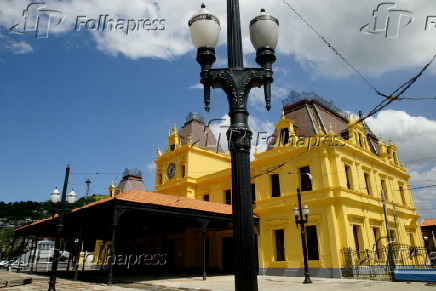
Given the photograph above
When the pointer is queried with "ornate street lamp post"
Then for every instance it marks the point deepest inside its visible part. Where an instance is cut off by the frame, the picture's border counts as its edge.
(55, 195)
(237, 81)
(391, 255)
(301, 215)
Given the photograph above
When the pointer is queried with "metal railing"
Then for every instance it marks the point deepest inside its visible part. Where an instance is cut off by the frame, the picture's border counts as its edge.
(375, 263)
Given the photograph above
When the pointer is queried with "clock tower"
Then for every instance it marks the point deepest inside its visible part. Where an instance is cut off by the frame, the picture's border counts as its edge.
(192, 152)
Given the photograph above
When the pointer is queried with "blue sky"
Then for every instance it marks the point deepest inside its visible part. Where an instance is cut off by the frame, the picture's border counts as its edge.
(103, 101)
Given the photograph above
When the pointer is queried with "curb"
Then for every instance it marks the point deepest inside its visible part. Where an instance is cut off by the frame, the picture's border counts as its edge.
(173, 288)
(15, 282)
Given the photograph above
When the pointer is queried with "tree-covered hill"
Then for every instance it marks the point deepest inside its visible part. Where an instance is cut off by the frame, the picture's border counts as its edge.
(35, 210)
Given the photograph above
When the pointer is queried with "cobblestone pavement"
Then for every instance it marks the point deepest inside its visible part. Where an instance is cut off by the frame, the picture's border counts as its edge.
(216, 283)
(66, 285)
(276, 283)
(40, 283)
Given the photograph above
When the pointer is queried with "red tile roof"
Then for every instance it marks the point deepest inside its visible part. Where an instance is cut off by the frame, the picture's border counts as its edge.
(159, 199)
(428, 222)
(145, 197)
(36, 222)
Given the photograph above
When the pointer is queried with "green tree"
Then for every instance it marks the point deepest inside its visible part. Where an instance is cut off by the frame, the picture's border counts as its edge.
(6, 237)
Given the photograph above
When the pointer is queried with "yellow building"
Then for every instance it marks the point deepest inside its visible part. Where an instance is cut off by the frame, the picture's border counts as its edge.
(340, 166)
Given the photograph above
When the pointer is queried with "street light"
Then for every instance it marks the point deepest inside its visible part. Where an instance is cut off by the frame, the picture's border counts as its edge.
(301, 216)
(237, 81)
(55, 195)
(390, 254)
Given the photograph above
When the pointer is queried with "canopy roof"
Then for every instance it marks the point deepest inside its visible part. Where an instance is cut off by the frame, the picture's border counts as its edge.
(148, 210)
(428, 222)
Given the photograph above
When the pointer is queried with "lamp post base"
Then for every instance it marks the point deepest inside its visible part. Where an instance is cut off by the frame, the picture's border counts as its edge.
(307, 279)
(51, 286)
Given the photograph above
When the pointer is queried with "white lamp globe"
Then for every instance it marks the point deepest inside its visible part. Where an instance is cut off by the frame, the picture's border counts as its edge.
(296, 211)
(71, 198)
(305, 210)
(204, 28)
(55, 195)
(264, 31)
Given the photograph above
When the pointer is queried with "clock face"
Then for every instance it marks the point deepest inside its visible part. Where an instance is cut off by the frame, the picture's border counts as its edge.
(171, 171)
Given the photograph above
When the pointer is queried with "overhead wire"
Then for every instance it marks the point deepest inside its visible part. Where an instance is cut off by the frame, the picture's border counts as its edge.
(96, 173)
(419, 98)
(333, 48)
(372, 189)
(421, 187)
(388, 98)
(401, 90)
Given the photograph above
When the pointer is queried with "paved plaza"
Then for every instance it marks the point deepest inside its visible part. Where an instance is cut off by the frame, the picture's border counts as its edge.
(215, 283)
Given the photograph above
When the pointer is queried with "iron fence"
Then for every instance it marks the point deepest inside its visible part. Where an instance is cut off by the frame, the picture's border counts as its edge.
(375, 263)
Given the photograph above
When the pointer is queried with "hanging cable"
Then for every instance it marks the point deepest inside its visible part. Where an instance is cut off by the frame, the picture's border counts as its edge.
(334, 49)
(422, 98)
(389, 98)
(422, 187)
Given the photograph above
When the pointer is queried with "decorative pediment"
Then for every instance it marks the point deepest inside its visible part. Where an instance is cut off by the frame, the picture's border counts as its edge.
(375, 222)
(173, 139)
(277, 224)
(411, 225)
(285, 131)
(356, 219)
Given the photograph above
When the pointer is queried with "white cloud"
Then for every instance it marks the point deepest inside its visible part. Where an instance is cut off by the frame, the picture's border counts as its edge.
(337, 20)
(424, 202)
(422, 179)
(257, 96)
(261, 131)
(340, 23)
(415, 136)
(21, 47)
(151, 167)
(219, 129)
(423, 192)
(197, 86)
(7, 44)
